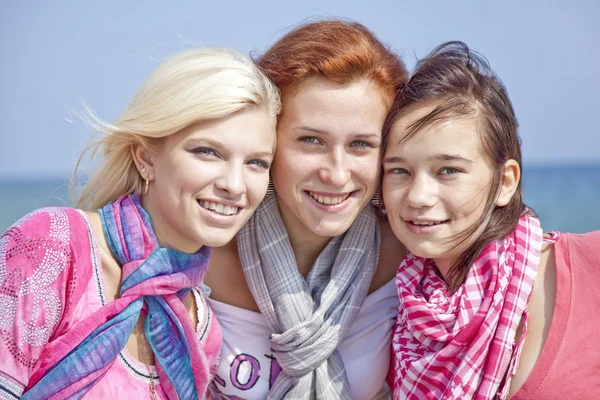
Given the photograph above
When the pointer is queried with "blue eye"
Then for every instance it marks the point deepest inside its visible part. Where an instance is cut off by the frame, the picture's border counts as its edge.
(205, 151)
(449, 171)
(397, 171)
(361, 144)
(310, 140)
(260, 163)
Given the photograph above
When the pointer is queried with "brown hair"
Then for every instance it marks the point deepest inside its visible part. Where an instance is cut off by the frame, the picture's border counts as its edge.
(460, 83)
(337, 50)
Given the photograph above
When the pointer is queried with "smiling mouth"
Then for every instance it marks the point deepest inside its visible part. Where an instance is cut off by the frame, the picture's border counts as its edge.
(329, 200)
(218, 208)
(426, 223)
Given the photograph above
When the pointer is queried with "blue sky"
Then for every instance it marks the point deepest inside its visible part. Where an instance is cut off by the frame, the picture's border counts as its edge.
(54, 54)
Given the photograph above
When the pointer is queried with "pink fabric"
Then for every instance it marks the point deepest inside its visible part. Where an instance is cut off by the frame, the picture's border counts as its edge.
(50, 279)
(459, 345)
(569, 364)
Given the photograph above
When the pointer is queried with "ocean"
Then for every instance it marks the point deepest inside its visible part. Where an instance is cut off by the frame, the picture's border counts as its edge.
(566, 198)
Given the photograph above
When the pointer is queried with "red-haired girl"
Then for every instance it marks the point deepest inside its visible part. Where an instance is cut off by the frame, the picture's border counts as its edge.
(305, 300)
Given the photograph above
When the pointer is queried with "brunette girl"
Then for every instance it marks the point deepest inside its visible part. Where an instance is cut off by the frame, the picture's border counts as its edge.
(490, 307)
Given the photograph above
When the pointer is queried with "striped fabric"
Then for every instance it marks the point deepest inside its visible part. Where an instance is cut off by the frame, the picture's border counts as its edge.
(460, 345)
(10, 388)
(309, 317)
(155, 279)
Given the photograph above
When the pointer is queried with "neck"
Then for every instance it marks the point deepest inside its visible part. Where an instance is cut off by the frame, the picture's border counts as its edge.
(444, 265)
(306, 245)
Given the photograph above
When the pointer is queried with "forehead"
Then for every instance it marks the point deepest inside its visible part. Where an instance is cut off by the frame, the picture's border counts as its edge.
(252, 128)
(451, 132)
(332, 105)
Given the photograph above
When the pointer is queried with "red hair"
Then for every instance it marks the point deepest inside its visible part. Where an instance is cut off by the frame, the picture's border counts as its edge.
(336, 50)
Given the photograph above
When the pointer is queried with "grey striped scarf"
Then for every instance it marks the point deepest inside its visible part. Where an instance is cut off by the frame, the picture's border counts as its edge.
(309, 317)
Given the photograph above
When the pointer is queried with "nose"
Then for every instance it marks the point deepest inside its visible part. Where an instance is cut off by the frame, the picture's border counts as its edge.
(232, 181)
(422, 192)
(336, 170)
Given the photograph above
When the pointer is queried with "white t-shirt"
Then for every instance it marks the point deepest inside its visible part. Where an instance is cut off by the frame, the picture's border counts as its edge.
(248, 368)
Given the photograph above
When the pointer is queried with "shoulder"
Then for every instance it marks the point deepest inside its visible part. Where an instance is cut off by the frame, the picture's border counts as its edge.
(48, 219)
(50, 226)
(581, 248)
(587, 241)
(573, 252)
(391, 254)
(42, 273)
(50, 246)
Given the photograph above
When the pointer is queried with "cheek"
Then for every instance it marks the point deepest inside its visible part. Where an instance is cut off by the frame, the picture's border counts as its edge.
(257, 186)
(282, 166)
(194, 177)
(391, 197)
(180, 169)
(292, 167)
(368, 168)
(470, 202)
(280, 180)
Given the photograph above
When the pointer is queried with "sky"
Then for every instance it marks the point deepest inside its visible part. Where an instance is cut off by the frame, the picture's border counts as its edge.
(55, 55)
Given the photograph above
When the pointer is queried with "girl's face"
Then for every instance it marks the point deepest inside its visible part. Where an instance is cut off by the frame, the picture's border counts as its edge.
(435, 184)
(208, 179)
(326, 165)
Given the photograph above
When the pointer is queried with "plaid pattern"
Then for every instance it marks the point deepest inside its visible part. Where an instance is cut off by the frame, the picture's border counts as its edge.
(309, 317)
(460, 345)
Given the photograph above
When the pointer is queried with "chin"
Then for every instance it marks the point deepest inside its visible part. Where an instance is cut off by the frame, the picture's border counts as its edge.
(216, 239)
(424, 254)
(332, 229)
(421, 251)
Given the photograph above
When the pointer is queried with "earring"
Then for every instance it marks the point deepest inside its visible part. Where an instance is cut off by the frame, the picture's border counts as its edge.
(143, 168)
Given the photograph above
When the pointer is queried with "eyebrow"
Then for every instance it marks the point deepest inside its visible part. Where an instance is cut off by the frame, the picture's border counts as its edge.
(200, 141)
(449, 157)
(371, 136)
(435, 157)
(308, 128)
(263, 154)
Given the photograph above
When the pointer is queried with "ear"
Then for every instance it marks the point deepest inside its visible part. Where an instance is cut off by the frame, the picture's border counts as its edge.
(511, 174)
(143, 161)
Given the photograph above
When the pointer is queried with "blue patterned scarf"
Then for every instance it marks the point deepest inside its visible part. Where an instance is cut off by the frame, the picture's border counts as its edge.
(154, 280)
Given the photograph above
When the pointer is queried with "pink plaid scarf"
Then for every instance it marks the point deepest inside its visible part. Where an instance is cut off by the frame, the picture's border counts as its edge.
(460, 345)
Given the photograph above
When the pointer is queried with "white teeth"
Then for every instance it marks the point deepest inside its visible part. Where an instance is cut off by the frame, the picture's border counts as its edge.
(426, 223)
(218, 208)
(328, 200)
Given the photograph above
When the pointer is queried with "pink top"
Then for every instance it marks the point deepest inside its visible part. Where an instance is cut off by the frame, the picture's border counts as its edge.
(569, 364)
(50, 279)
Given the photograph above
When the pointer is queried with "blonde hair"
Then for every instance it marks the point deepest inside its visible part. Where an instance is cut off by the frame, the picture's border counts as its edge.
(189, 87)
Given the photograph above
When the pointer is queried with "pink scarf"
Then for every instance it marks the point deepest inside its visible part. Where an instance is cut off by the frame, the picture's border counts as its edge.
(460, 345)
(155, 280)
